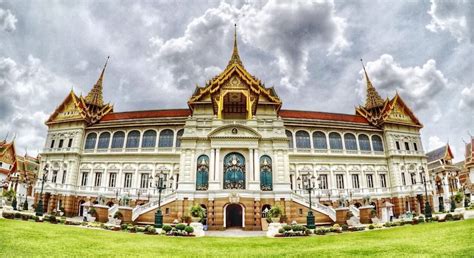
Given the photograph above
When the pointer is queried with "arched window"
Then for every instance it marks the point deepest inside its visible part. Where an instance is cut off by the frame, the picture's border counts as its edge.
(266, 182)
(335, 141)
(202, 173)
(133, 138)
(117, 140)
(166, 138)
(350, 141)
(302, 140)
(364, 142)
(377, 143)
(289, 135)
(149, 139)
(179, 134)
(319, 141)
(90, 141)
(234, 171)
(104, 140)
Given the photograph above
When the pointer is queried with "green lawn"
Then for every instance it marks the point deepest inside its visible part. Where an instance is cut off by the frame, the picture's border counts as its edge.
(23, 238)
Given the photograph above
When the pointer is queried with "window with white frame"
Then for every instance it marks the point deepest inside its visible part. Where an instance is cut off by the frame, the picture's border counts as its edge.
(69, 144)
(54, 177)
(324, 181)
(404, 182)
(413, 178)
(112, 179)
(383, 181)
(415, 147)
(127, 183)
(98, 179)
(340, 181)
(84, 178)
(355, 181)
(52, 144)
(144, 180)
(370, 181)
(63, 180)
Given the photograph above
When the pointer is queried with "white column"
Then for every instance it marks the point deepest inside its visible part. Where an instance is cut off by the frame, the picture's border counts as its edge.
(256, 166)
(217, 166)
(251, 165)
(212, 173)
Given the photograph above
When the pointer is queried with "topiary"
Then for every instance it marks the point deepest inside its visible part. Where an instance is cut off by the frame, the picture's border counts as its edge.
(189, 229)
(166, 228)
(180, 226)
(371, 226)
(281, 231)
(287, 227)
(275, 212)
(344, 227)
(449, 217)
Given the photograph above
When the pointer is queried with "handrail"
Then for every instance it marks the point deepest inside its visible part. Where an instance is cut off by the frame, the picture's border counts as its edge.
(140, 209)
(317, 206)
(113, 210)
(355, 211)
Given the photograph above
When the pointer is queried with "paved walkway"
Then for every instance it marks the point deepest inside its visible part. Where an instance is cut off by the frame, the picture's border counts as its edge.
(235, 233)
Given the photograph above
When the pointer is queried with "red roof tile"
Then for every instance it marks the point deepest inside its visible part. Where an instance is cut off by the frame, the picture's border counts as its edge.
(322, 116)
(146, 114)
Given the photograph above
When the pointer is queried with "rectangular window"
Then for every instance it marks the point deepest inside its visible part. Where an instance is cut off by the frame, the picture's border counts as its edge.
(128, 180)
(383, 181)
(355, 181)
(61, 142)
(84, 179)
(370, 181)
(340, 181)
(55, 176)
(415, 147)
(167, 211)
(324, 181)
(144, 181)
(407, 146)
(63, 180)
(404, 182)
(69, 144)
(98, 178)
(421, 177)
(398, 145)
(112, 179)
(413, 178)
(52, 144)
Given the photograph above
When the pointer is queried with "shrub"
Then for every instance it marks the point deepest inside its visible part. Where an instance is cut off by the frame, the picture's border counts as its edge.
(186, 219)
(458, 197)
(197, 211)
(287, 227)
(321, 231)
(180, 226)
(93, 212)
(140, 229)
(151, 229)
(17, 215)
(283, 218)
(449, 217)
(8, 215)
(275, 212)
(336, 225)
(281, 231)
(25, 216)
(344, 227)
(371, 226)
(458, 217)
(132, 229)
(166, 228)
(53, 219)
(124, 226)
(373, 213)
(118, 215)
(10, 194)
(189, 229)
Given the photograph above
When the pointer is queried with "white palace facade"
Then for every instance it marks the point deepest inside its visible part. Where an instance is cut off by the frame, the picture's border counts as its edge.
(234, 151)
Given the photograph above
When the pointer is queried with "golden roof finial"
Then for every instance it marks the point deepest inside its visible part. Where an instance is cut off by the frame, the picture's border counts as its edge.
(235, 58)
(373, 98)
(95, 95)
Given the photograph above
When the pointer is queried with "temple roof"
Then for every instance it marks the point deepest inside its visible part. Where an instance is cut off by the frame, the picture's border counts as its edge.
(143, 114)
(373, 98)
(95, 95)
(299, 114)
(443, 152)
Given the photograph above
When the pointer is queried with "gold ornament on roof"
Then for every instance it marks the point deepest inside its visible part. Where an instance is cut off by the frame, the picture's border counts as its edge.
(95, 95)
(373, 98)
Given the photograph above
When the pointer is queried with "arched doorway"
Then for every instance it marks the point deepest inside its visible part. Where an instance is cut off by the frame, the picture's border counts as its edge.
(234, 216)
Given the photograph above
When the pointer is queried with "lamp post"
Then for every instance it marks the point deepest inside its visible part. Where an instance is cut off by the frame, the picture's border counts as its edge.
(39, 206)
(427, 203)
(160, 184)
(451, 188)
(309, 185)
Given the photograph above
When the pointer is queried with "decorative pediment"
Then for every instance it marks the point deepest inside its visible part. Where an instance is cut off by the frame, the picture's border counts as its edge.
(354, 169)
(86, 166)
(69, 110)
(145, 167)
(339, 168)
(306, 169)
(322, 169)
(112, 166)
(234, 131)
(369, 169)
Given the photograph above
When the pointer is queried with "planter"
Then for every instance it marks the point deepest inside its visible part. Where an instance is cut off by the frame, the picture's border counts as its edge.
(195, 219)
(275, 220)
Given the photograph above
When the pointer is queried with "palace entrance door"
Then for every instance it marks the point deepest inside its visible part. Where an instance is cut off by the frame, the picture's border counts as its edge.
(233, 215)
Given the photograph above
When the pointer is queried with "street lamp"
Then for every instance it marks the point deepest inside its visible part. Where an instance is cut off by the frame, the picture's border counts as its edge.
(451, 188)
(309, 185)
(160, 184)
(427, 203)
(39, 206)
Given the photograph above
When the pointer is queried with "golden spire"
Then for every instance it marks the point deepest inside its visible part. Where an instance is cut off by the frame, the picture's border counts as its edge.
(373, 98)
(95, 95)
(235, 58)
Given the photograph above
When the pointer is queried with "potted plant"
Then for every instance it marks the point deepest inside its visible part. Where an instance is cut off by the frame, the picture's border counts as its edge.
(274, 213)
(197, 213)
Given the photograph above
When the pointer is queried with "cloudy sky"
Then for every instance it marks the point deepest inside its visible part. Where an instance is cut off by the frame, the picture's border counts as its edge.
(309, 51)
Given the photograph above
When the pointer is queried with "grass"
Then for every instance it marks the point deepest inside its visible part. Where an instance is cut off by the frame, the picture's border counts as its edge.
(28, 239)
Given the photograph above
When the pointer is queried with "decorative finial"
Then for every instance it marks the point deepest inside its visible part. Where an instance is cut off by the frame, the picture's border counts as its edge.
(95, 95)
(373, 98)
(235, 58)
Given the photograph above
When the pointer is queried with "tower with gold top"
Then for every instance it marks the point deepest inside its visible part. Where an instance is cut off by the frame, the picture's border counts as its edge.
(235, 152)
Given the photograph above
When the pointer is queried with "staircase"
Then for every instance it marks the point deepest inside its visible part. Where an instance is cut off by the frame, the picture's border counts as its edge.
(141, 209)
(355, 211)
(329, 211)
(113, 210)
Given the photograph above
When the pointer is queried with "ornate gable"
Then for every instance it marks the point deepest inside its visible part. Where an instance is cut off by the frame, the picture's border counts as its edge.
(7, 153)
(69, 110)
(398, 112)
(234, 85)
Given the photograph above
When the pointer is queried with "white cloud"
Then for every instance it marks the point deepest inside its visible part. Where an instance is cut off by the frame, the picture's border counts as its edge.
(285, 31)
(457, 17)
(27, 91)
(467, 100)
(7, 20)
(416, 84)
(434, 142)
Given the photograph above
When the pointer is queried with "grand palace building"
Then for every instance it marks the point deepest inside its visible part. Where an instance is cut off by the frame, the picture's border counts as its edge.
(234, 151)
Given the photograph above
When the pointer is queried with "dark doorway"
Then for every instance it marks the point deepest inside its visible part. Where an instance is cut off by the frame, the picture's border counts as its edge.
(81, 208)
(233, 216)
